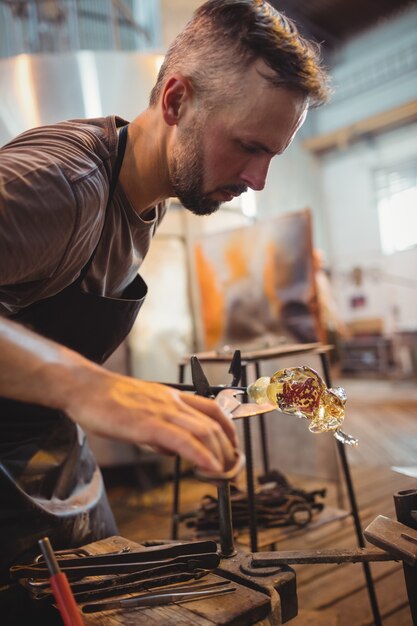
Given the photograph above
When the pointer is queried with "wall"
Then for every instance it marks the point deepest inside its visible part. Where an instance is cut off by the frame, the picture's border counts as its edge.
(46, 88)
(352, 217)
(294, 182)
(350, 209)
(173, 21)
(374, 72)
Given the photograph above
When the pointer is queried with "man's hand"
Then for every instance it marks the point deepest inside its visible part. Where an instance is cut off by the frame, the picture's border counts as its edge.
(34, 369)
(150, 413)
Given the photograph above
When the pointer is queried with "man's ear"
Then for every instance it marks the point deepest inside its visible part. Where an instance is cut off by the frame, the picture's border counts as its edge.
(175, 98)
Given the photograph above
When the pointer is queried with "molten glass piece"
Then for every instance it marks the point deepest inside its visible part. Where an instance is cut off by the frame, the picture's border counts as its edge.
(301, 391)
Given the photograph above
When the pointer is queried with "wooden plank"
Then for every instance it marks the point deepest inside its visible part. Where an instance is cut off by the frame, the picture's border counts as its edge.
(403, 114)
(328, 617)
(267, 536)
(354, 609)
(338, 583)
(401, 616)
(167, 615)
(259, 354)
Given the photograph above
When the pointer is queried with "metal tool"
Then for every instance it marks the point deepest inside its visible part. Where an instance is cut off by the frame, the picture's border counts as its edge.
(326, 555)
(150, 555)
(187, 563)
(395, 538)
(157, 599)
(97, 588)
(398, 543)
(66, 604)
(228, 400)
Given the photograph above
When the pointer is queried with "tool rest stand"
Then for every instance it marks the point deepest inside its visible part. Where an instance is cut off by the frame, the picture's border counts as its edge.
(255, 358)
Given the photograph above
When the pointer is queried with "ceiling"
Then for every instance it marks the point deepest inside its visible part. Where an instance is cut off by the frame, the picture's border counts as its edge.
(332, 22)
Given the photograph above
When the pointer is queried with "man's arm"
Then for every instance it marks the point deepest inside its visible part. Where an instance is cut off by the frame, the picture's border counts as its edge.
(36, 370)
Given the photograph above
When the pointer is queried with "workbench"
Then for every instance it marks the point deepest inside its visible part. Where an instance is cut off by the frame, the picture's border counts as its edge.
(266, 597)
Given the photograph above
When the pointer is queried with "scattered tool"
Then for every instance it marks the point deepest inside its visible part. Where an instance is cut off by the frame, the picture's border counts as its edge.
(398, 543)
(62, 591)
(228, 400)
(275, 506)
(160, 598)
(201, 555)
(188, 563)
(99, 587)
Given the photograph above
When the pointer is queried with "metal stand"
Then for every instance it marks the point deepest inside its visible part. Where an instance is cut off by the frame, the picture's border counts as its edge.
(227, 548)
(353, 504)
(177, 474)
(321, 351)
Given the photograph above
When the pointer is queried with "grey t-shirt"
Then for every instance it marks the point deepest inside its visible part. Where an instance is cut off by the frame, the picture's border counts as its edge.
(54, 185)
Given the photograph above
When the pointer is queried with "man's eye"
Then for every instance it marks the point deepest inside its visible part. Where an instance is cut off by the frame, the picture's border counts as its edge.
(250, 149)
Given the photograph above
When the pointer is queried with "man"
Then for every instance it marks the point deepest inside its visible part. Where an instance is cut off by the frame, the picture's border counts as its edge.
(80, 202)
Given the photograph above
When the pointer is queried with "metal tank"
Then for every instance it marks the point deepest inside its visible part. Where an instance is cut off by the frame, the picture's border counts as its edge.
(39, 89)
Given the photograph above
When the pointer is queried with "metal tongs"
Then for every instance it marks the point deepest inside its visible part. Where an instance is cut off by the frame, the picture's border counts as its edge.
(181, 594)
(233, 401)
(228, 400)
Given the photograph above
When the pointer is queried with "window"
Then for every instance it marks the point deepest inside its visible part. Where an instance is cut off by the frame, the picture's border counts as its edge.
(396, 192)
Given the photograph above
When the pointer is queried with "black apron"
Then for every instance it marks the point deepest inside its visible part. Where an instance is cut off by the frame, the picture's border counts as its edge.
(49, 481)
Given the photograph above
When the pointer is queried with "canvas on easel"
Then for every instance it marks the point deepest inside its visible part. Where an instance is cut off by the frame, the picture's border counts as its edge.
(256, 284)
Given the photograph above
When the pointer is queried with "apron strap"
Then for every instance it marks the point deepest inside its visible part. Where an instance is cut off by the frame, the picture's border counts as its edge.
(121, 148)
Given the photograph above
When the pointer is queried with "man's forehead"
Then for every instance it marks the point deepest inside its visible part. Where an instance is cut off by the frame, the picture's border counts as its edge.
(268, 123)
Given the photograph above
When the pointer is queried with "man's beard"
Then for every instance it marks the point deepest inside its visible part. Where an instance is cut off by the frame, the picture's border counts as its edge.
(187, 177)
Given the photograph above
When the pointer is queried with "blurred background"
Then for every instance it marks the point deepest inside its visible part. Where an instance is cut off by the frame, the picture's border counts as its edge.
(326, 252)
(351, 173)
(353, 165)
(352, 168)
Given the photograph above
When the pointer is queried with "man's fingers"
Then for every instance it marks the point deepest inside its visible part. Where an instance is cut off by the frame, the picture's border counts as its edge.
(206, 430)
(210, 408)
(177, 440)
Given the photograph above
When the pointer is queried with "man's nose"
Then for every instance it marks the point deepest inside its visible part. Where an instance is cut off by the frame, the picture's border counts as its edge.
(255, 173)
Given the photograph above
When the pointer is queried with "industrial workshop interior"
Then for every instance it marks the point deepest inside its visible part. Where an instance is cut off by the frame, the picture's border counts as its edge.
(291, 310)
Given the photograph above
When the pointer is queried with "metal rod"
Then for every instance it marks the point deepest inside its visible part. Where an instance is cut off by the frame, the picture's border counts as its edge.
(326, 555)
(405, 502)
(353, 504)
(227, 548)
(176, 497)
(177, 474)
(49, 556)
(253, 531)
(64, 597)
(214, 389)
(262, 429)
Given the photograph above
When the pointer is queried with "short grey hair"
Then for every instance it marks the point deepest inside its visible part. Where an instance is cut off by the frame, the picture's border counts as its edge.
(225, 37)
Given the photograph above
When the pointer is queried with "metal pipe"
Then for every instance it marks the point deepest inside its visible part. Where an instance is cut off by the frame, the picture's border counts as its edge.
(227, 548)
(353, 504)
(253, 530)
(177, 474)
(262, 429)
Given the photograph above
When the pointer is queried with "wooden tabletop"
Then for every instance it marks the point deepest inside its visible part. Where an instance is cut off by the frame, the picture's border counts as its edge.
(254, 601)
(260, 354)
